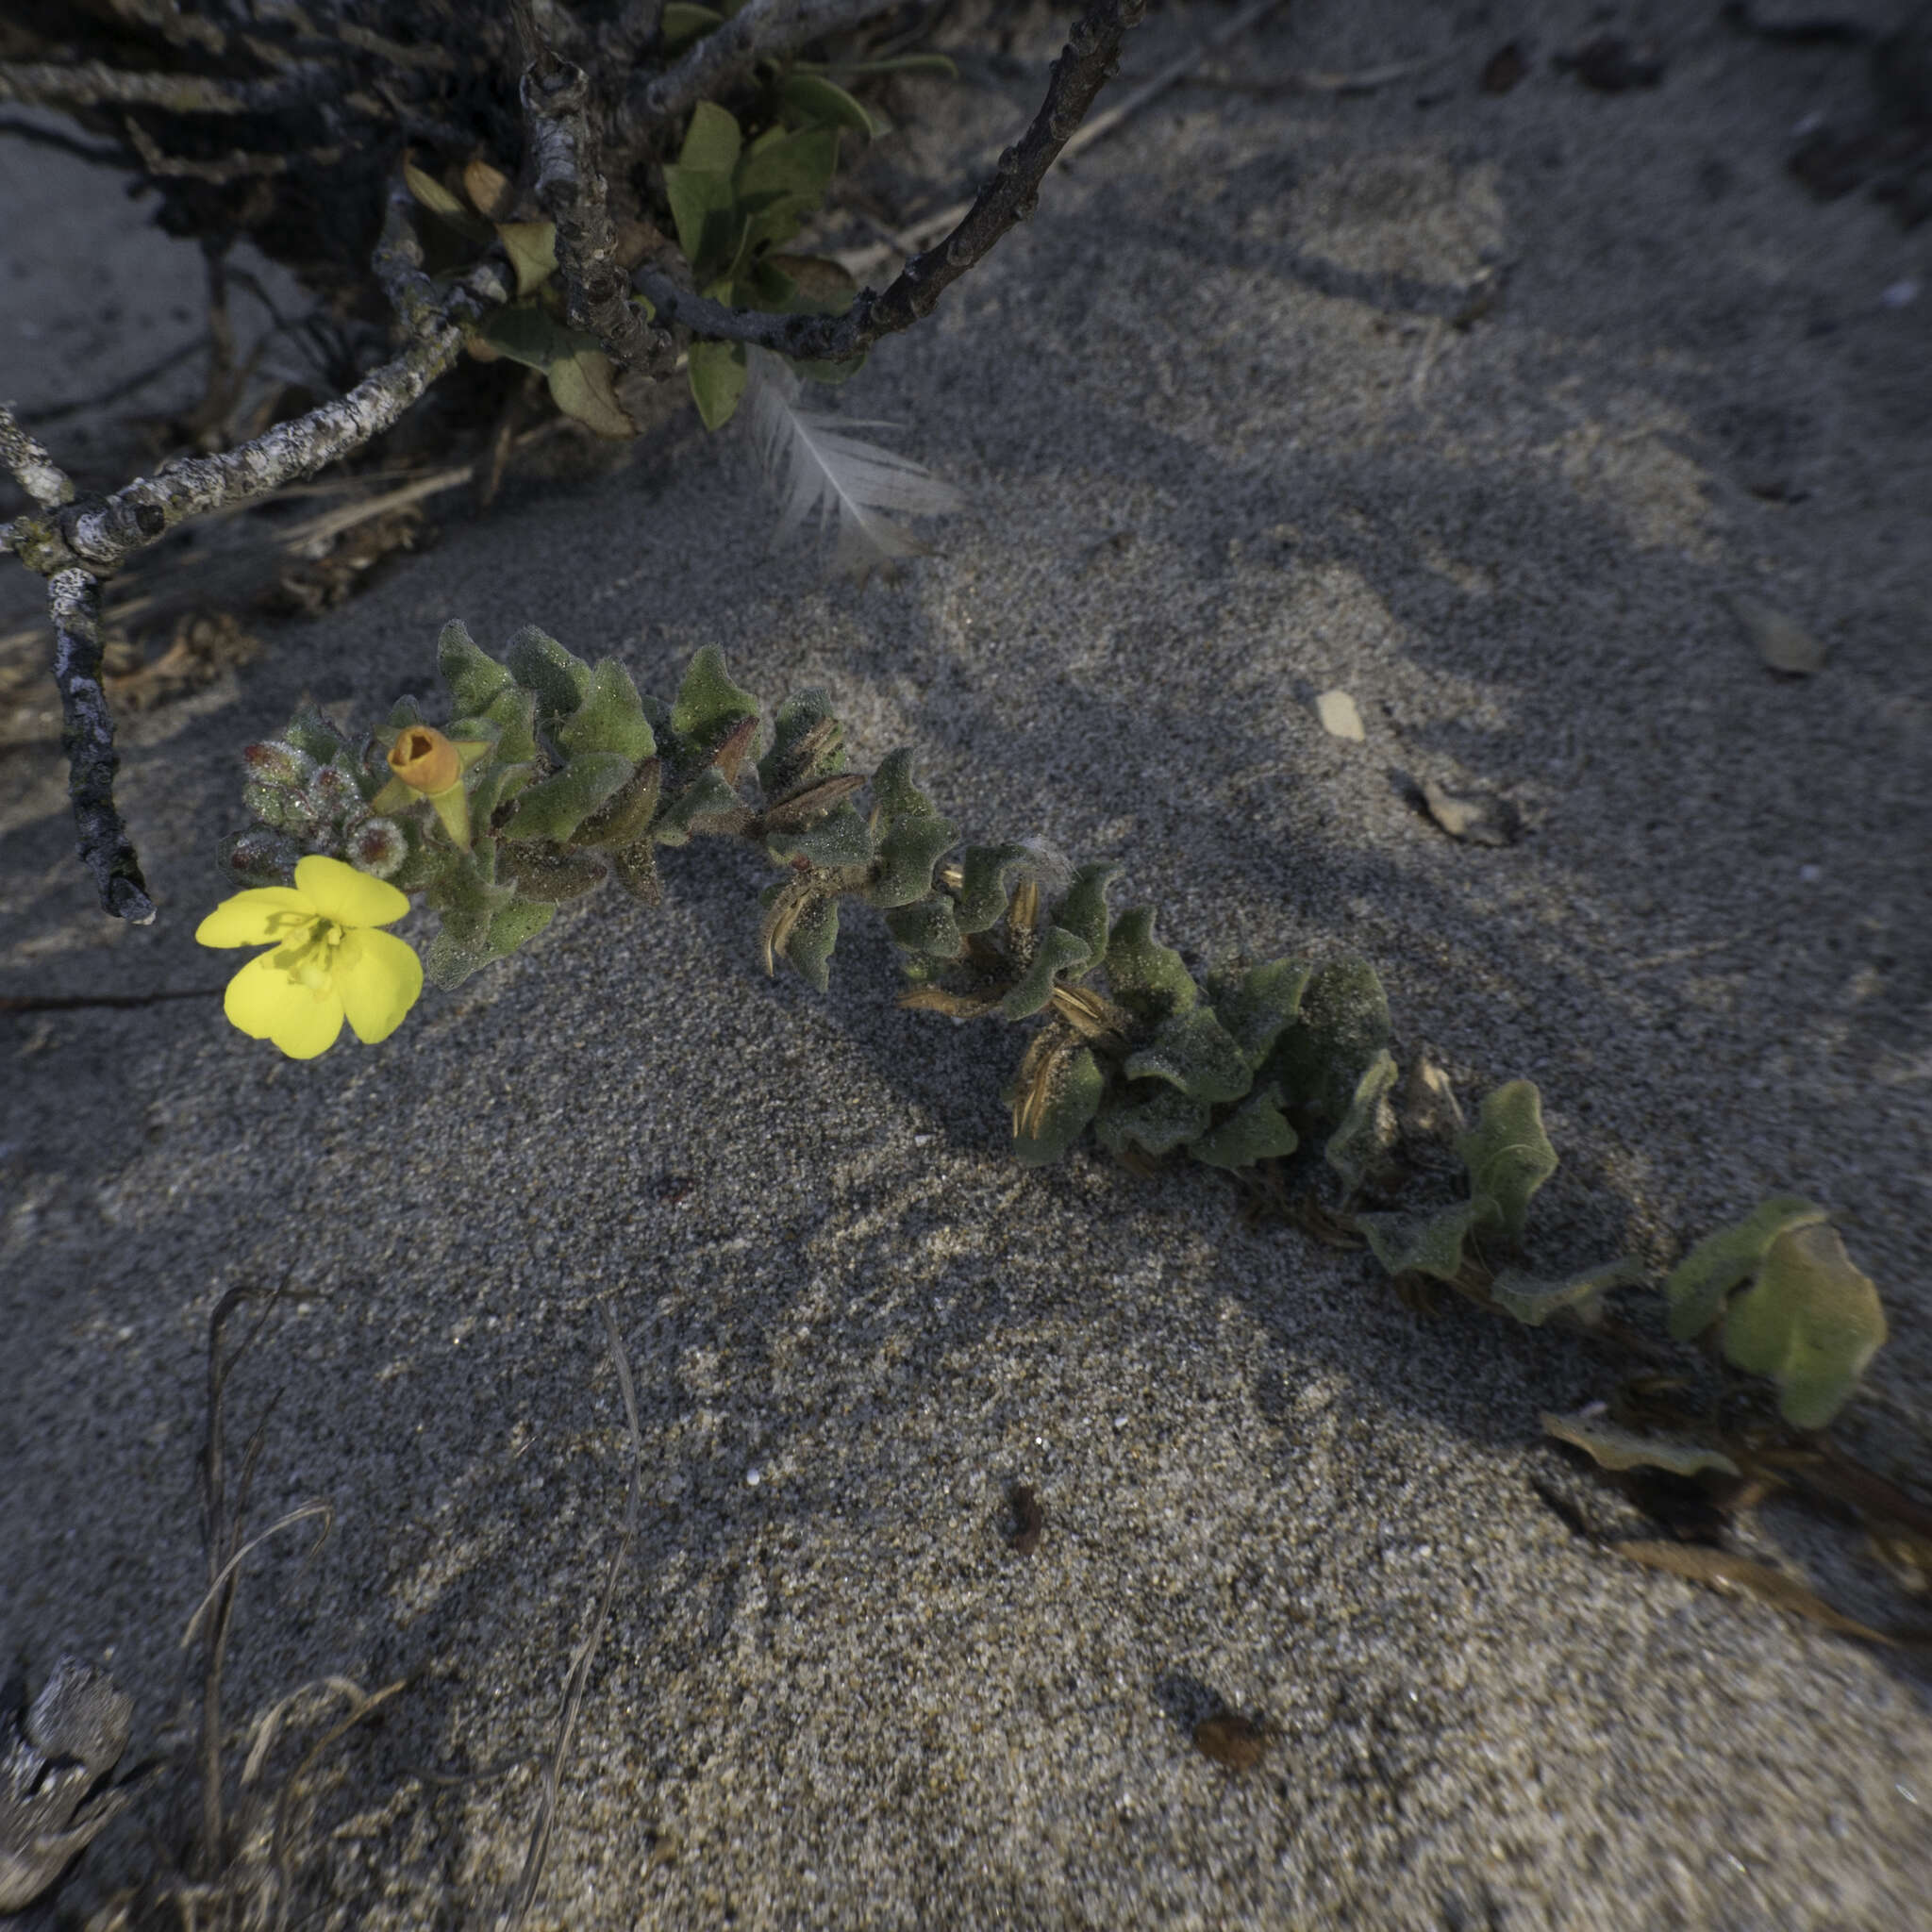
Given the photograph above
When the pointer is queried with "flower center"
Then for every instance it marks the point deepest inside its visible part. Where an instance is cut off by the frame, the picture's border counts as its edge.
(313, 962)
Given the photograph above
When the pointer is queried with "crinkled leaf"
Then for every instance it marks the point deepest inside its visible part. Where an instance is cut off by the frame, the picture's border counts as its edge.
(815, 934)
(532, 250)
(927, 926)
(548, 872)
(1155, 1120)
(1811, 1320)
(447, 207)
(908, 854)
(1191, 1050)
(1055, 952)
(492, 786)
(1509, 1156)
(488, 188)
(557, 807)
(717, 372)
(1256, 1130)
(1610, 1447)
(472, 676)
(838, 840)
(708, 704)
(1534, 1300)
(582, 387)
(894, 797)
(1430, 1243)
(560, 679)
(513, 713)
(1341, 1025)
(626, 816)
(1077, 1088)
(450, 960)
(1083, 911)
(1148, 978)
(709, 796)
(610, 717)
(1699, 1283)
(1368, 1129)
(1264, 1003)
(635, 868)
(988, 874)
(807, 745)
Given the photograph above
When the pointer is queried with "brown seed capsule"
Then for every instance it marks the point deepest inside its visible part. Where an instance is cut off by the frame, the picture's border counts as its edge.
(1230, 1740)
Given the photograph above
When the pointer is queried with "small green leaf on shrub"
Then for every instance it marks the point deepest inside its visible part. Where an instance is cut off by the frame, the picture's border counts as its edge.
(532, 250)
(812, 936)
(514, 712)
(838, 840)
(813, 97)
(1191, 1050)
(808, 744)
(1533, 1301)
(708, 704)
(451, 961)
(560, 679)
(611, 717)
(1256, 1130)
(1699, 1283)
(928, 927)
(712, 141)
(1056, 952)
(1368, 1129)
(547, 872)
(626, 816)
(1811, 1320)
(1610, 1447)
(717, 374)
(894, 797)
(581, 387)
(1151, 980)
(682, 22)
(707, 797)
(1421, 1243)
(1341, 1025)
(526, 332)
(705, 211)
(1509, 1156)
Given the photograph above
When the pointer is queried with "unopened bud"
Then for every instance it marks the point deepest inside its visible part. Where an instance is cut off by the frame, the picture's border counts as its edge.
(377, 847)
(426, 760)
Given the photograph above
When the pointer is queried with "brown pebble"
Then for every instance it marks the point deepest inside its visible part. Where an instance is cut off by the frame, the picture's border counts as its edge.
(1231, 1740)
(1029, 1519)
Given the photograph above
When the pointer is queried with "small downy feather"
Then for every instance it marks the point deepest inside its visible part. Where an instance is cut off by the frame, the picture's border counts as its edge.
(817, 466)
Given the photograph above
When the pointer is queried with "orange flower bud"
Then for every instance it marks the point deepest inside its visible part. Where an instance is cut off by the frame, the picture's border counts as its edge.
(426, 760)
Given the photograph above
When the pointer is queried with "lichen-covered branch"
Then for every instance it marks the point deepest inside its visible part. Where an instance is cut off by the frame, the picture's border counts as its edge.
(33, 469)
(570, 190)
(761, 31)
(1090, 59)
(94, 84)
(86, 736)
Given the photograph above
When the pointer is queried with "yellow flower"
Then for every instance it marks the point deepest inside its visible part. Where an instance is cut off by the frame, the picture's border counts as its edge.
(428, 765)
(327, 958)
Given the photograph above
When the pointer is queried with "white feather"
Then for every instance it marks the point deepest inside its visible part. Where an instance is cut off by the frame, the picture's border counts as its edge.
(817, 467)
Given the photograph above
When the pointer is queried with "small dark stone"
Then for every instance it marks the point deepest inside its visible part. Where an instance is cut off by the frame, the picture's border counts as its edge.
(1230, 1740)
(1029, 1519)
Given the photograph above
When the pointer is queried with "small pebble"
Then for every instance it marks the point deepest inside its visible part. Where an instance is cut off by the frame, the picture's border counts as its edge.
(1230, 1740)
(1338, 716)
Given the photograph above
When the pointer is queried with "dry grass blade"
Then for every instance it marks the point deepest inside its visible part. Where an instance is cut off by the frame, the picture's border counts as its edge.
(781, 920)
(955, 1005)
(580, 1670)
(1722, 1571)
(227, 1572)
(802, 808)
(1041, 1068)
(1091, 1015)
(1022, 908)
(279, 1847)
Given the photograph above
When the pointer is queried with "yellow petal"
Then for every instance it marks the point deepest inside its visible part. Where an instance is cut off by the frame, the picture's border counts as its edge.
(255, 918)
(379, 978)
(349, 897)
(266, 1004)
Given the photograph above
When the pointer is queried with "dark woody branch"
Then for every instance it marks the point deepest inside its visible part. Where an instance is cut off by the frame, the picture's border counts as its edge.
(94, 84)
(1090, 59)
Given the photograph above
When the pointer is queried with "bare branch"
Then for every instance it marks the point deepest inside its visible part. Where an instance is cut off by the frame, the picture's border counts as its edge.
(65, 144)
(570, 190)
(761, 31)
(34, 470)
(239, 166)
(1091, 57)
(88, 739)
(94, 84)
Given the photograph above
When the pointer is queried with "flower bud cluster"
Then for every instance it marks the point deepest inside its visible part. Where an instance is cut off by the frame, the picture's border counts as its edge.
(310, 790)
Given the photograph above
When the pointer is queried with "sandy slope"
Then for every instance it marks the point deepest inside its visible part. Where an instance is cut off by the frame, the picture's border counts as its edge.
(1226, 451)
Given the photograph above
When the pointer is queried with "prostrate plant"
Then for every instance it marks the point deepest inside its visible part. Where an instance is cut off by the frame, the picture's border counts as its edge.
(555, 776)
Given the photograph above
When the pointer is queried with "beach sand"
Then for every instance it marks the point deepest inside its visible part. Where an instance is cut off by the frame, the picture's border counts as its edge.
(1226, 448)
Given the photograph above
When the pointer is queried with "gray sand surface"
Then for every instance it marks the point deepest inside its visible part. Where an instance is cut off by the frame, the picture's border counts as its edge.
(1226, 451)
